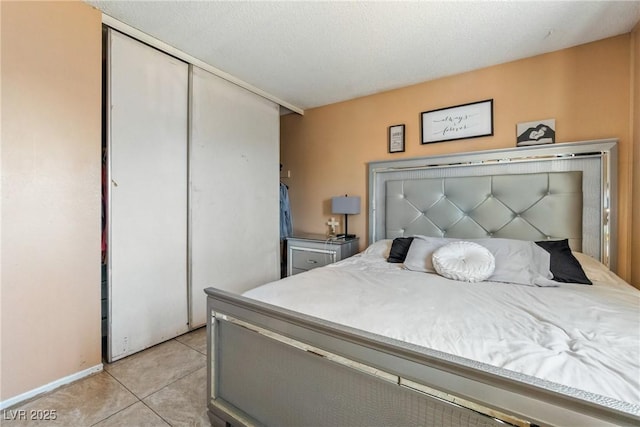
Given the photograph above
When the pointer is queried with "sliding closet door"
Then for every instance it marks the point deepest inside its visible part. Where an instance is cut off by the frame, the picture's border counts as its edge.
(234, 189)
(148, 96)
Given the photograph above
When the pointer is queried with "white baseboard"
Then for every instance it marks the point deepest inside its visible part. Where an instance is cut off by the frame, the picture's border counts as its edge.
(48, 387)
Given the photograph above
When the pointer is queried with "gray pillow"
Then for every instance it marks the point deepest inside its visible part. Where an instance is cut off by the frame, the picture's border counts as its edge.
(420, 253)
(516, 261)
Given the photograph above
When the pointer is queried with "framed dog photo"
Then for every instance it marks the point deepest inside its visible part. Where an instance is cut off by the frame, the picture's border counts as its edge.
(534, 133)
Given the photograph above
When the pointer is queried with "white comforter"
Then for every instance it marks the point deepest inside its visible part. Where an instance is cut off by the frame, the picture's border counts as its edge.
(586, 337)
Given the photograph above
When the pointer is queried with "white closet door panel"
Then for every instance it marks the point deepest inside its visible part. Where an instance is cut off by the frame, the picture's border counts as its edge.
(148, 196)
(234, 189)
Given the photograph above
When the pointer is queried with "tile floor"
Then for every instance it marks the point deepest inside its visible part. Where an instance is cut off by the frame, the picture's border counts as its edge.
(161, 386)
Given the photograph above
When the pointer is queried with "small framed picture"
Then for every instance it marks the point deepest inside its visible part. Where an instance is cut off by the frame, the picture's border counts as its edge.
(534, 133)
(396, 138)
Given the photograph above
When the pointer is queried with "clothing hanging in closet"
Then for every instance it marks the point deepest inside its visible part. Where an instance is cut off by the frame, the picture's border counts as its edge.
(286, 223)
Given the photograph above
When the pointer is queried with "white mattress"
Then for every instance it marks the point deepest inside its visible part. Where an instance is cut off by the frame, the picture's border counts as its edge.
(585, 337)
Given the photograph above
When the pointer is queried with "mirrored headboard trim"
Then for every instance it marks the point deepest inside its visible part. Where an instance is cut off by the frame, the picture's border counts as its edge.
(596, 160)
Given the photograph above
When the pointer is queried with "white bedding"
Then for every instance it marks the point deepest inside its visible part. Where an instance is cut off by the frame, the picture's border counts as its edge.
(586, 337)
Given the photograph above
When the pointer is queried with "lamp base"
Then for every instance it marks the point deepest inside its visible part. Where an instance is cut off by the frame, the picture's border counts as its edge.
(346, 236)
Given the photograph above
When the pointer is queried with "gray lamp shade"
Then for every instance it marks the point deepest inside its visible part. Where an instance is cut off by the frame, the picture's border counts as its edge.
(347, 205)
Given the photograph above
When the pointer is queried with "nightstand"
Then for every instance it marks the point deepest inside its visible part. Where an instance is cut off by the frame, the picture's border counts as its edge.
(308, 251)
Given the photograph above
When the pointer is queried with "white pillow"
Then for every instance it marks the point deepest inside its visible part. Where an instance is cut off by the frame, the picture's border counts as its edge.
(464, 261)
(421, 250)
(381, 248)
(599, 274)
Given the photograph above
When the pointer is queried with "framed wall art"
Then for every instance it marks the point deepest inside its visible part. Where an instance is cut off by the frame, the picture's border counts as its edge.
(396, 138)
(534, 133)
(464, 121)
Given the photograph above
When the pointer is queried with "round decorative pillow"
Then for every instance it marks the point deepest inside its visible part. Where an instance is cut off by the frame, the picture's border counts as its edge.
(464, 261)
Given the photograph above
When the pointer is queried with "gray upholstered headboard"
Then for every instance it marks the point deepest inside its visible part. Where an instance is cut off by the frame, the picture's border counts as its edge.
(531, 193)
(511, 206)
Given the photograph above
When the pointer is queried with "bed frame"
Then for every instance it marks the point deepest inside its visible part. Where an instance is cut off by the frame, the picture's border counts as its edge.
(272, 366)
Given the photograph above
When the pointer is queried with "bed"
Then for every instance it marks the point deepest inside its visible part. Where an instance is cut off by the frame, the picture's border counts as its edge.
(369, 342)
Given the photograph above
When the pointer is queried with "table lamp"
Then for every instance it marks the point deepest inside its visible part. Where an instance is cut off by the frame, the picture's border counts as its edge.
(347, 205)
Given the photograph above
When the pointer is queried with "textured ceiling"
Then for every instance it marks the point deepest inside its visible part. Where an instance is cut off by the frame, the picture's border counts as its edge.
(316, 53)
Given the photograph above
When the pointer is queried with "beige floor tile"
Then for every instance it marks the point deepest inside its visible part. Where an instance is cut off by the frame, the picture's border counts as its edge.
(138, 415)
(183, 403)
(81, 403)
(197, 340)
(147, 372)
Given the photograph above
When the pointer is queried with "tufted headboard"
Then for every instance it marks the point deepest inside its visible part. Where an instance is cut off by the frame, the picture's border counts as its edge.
(544, 192)
(513, 206)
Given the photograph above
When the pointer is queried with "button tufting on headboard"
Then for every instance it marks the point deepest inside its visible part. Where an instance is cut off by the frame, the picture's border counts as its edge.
(497, 185)
(514, 206)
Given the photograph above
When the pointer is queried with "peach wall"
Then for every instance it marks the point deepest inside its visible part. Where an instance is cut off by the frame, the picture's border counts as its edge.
(50, 280)
(585, 88)
(635, 126)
